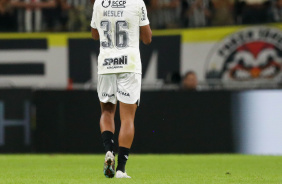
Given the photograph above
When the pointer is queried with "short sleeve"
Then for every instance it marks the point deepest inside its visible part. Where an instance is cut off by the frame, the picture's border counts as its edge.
(143, 18)
(93, 24)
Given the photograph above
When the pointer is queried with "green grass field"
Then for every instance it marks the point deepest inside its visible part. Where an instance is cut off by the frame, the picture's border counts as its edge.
(192, 169)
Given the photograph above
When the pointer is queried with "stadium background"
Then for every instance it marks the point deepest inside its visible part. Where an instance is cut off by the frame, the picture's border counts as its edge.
(48, 102)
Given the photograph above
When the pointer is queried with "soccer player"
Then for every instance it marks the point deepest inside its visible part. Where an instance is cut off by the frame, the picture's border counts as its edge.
(119, 25)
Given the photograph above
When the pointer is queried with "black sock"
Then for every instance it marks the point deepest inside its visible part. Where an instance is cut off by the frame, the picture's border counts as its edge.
(123, 154)
(108, 141)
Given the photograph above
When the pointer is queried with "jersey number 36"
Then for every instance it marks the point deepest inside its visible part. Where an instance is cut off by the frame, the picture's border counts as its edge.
(121, 36)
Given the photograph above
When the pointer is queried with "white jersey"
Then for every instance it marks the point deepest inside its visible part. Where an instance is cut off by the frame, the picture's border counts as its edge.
(118, 23)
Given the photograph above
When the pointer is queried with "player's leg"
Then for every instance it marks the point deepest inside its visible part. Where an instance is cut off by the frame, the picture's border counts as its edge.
(129, 87)
(106, 89)
(126, 135)
(107, 125)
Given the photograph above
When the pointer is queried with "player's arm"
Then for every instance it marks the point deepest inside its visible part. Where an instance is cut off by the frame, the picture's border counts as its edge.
(94, 30)
(145, 29)
(146, 34)
(95, 34)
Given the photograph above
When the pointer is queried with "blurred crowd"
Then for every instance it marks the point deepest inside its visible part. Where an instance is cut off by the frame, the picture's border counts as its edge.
(45, 15)
(202, 13)
(75, 15)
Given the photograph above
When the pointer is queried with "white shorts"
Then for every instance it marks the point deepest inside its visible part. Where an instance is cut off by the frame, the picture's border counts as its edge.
(124, 87)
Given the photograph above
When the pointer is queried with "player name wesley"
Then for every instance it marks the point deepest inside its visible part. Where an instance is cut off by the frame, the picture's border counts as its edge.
(113, 13)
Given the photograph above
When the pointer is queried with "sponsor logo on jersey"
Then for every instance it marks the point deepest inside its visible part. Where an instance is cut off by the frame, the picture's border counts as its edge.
(108, 95)
(115, 61)
(143, 14)
(106, 3)
(123, 93)
(119, 4)
(251, 54)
